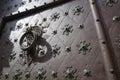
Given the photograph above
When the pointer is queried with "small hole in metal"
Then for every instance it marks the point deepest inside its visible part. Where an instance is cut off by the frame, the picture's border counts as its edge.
(93, 2)
(103, 42)
(97, 20)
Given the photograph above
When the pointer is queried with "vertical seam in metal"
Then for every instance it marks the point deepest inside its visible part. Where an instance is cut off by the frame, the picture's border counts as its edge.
(108, 62)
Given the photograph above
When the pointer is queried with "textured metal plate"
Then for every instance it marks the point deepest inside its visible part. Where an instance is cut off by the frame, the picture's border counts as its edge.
(92, 61)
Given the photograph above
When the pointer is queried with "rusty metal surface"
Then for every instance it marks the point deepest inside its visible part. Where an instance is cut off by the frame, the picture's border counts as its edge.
(92, 61)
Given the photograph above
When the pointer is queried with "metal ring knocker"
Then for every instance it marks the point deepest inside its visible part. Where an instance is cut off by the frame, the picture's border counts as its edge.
(28, 39)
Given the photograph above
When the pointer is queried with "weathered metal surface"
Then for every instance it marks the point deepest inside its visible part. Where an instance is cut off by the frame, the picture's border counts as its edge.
(70, 37)
(108, 62)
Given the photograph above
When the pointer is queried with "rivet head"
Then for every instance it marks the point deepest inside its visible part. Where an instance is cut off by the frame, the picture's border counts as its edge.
(66, 13)
(18, 11)
(111, 70)
(97, 20)
(34, 6)
(2, 57)
(54, 32)
(68, 49)
(44, 19)
(81, 26)
(10, 13)
(6, 75)
(116, 18)
(93, 2)
(45, 3)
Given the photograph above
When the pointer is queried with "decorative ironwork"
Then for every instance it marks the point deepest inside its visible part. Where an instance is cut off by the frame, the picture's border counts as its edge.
(55, 16)
(84, 47)
(27, 74)
(110, 2)
(41, 74)
(17, 75)
(28, 39)
(12, 56)
(77, 10)
(19, 26)
(67, 29)
(70, 73)
(40, 51)
(55, 50)
(116, 18)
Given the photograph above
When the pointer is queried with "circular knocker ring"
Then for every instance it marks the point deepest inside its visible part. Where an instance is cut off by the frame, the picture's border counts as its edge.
(28, 39)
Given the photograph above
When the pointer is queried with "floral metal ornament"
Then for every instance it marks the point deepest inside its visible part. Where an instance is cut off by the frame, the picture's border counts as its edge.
(17, 75)
(116, 18)
(77, 10)
(70, 73)
(110, 2)
(19, 26)
(86, 72)
(41, 74)
(55, 50)
(67, 29)
(55, 16)
(84, 47)
(12, 56)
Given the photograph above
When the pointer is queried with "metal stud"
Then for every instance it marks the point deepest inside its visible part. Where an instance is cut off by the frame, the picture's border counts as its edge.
(110, 3)
(67, 29)
(54, 74)
(55, 50)
(41, 74)
(77, 10)
(116, 18)
(86, 72)
(84, 47)
(70, 73)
